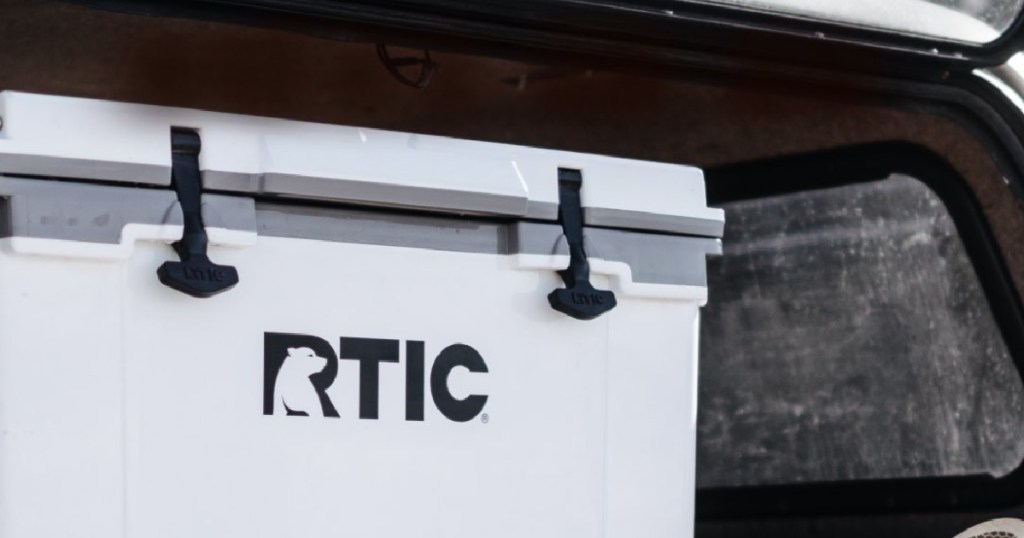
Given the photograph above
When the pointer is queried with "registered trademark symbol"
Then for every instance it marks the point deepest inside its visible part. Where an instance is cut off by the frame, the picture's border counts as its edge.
(484, 418)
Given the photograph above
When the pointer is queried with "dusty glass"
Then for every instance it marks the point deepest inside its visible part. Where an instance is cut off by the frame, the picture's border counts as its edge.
(847, 337)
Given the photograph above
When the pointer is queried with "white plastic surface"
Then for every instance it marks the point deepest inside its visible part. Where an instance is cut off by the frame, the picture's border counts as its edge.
(91, 139)
(131, 410)
(88, 139)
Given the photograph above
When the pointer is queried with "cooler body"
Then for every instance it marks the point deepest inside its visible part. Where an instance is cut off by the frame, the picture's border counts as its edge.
(388, 363)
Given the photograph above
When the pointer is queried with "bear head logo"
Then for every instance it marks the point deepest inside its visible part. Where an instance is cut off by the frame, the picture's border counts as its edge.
(294, 392)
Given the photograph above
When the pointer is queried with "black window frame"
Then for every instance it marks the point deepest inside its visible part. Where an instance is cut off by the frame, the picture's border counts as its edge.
(859, 164)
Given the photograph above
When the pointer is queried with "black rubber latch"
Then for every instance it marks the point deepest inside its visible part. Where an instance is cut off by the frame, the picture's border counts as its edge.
(578, 299)
(195, 274)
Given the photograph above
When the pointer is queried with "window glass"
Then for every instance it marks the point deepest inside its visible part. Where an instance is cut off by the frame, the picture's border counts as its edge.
(847, 337)
(969, 21)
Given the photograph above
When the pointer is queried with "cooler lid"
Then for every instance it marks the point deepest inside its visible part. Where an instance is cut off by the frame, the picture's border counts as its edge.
(98, 140)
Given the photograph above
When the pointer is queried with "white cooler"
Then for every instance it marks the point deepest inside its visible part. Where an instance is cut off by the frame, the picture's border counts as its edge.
(394, 340)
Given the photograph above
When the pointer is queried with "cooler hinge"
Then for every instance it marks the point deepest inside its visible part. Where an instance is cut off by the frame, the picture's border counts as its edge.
(195, 274)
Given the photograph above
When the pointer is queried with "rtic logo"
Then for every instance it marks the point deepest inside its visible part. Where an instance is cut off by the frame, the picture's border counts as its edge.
(587, 298)
(298, 369)
(203, 274)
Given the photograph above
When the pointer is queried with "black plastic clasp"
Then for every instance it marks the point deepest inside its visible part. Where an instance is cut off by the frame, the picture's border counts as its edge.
(578, 299)
(195, 274)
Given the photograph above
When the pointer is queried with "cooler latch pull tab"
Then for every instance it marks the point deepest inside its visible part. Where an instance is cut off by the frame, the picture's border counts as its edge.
(195, 274)
(578, 299)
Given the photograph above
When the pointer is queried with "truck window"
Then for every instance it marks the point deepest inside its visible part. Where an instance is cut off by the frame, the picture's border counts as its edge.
(847, 337)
